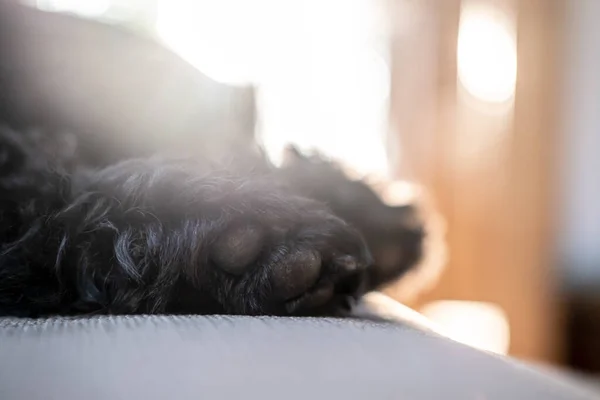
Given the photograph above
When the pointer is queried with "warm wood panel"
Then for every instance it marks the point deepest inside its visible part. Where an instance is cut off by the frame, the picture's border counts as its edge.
(534, 176)
(492, 171)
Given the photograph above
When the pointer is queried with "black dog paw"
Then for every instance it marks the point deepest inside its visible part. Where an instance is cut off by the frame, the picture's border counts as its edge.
(312, 266)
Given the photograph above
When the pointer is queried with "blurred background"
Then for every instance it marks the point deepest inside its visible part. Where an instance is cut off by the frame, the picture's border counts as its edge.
(492, 105)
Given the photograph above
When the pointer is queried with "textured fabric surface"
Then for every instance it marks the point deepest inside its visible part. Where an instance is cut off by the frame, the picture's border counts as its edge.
(252, 358)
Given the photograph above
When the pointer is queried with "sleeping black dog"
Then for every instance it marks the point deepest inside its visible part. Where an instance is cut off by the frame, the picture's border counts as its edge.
(98, 223)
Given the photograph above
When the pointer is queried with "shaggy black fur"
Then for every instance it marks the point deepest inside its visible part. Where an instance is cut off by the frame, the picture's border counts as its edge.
(394, 234)
(166, 235)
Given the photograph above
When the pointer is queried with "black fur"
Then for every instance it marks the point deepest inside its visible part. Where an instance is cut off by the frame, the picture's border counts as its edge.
(165, 236)
(154, 234)
(395, 234)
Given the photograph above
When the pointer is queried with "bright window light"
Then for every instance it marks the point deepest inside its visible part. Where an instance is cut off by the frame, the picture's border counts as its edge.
(477, 324)
(487, 54)
(88, 8)
(319, 66)
(222, 38)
